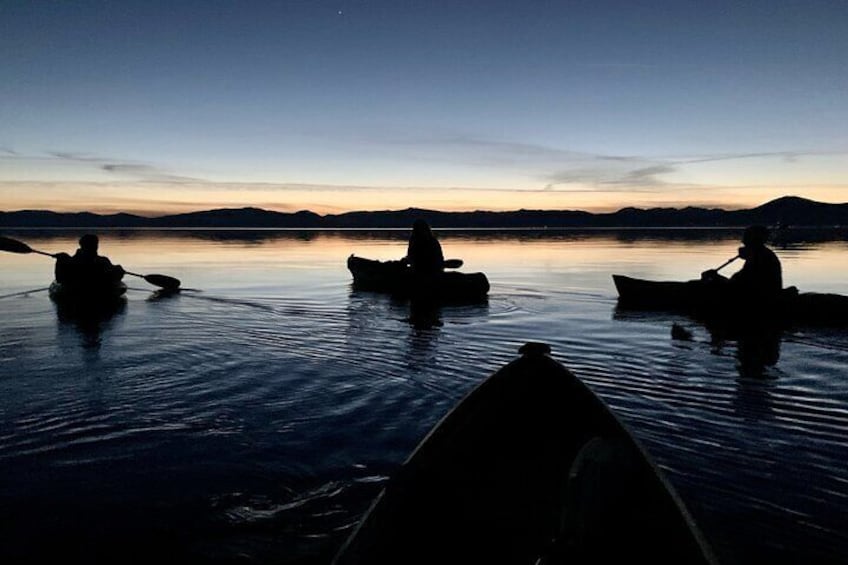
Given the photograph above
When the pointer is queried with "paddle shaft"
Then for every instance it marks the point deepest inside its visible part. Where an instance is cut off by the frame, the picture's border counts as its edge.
(46, 254)
(726, 263)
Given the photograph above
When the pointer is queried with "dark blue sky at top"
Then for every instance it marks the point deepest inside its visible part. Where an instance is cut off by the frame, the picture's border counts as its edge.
(210, 82)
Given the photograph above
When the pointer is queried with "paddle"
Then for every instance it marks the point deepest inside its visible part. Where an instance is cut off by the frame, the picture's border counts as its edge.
(726, 263)
(163, 281)
(452, 263)
(15, 246)
(712, 274)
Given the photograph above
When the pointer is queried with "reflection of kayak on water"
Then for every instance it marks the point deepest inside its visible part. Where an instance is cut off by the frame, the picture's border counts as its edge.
(395, 277)
(712, 301)
(530, 467)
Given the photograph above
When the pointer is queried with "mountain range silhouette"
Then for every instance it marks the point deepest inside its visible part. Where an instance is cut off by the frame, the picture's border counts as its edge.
(786, 211)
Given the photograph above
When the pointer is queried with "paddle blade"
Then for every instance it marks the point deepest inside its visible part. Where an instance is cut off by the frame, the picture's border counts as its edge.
(14, 246)
(453, 263)
(163, 281)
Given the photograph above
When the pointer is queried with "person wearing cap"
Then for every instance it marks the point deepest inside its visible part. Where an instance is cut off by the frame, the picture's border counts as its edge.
(424, 253)
(86, 267)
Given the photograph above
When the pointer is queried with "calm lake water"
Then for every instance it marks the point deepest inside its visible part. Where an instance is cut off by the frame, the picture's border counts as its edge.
(254, 418)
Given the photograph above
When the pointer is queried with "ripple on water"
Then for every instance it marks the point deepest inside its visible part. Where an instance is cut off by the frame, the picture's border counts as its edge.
(263, 422)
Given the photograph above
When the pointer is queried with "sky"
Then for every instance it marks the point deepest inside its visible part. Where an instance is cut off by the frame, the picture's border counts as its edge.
(159, 107)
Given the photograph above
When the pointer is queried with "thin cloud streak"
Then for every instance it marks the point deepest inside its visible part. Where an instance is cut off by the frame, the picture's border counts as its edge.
(140, 171)
(129, 169)
(518, 150)
(469, 149)
(559, 168)
(643, 173)
(207, 186)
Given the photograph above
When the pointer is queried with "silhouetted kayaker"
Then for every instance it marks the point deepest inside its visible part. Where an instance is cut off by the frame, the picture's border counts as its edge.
(86, 267)
(762, 271)
(424, 253)
(761, 276)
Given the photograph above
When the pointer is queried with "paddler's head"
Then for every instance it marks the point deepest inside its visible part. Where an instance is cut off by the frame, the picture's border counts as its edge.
(755, 236)
(420, 227)
(89, 243)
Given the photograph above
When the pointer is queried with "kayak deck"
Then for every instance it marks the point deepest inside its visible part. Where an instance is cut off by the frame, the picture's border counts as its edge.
(531, 467)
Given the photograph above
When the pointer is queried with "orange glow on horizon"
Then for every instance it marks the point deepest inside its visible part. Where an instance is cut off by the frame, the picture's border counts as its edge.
(157, 201)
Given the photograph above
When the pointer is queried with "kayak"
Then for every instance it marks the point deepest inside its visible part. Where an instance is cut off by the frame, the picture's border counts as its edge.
(530, 467)
(395, 277)
(63, 292)
(95, 301)
(717, 302)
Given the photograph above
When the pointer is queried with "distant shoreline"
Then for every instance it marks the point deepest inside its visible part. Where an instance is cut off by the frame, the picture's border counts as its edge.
(788, 211)
(406, 229)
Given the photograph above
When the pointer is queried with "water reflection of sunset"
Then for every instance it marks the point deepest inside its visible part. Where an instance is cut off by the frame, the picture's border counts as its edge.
(553, 258)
